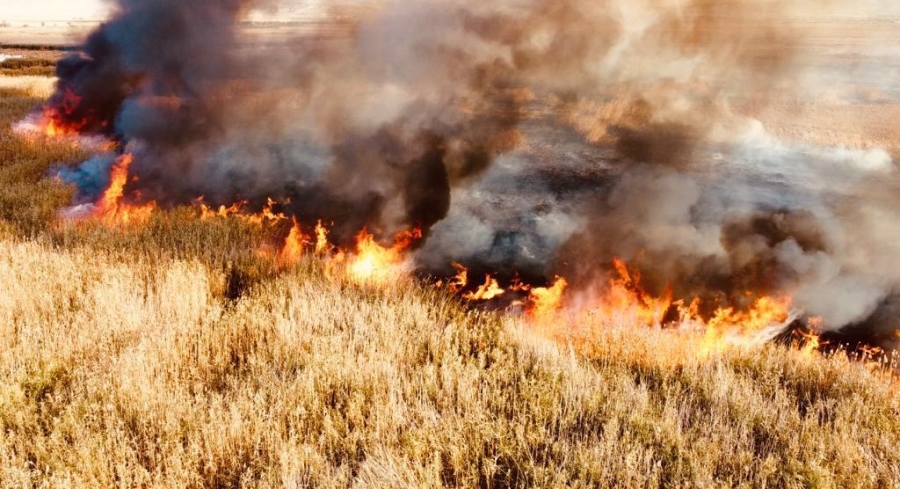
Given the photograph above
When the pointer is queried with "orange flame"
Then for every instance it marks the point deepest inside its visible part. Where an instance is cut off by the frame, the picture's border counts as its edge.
(461, 280)
(624, 302)
(238, 209)
(376, 264)
(625, 296)
(546, 301)
(56, 121)
(489, 290)
(267, 215)
(811, 339)
(322, 245)
(111, 208)
(729, 327)
(207, 213)
(294, 244)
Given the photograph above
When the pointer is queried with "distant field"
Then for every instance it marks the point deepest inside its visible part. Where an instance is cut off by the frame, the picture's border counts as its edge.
(72, 33)
(35, 34)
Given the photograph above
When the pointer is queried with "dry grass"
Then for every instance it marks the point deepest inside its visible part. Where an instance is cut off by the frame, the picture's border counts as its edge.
(28, 67)
(31, 86)
(174, 356)
(118, 373)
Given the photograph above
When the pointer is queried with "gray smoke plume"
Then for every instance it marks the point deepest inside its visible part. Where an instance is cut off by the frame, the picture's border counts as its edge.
(523, 136)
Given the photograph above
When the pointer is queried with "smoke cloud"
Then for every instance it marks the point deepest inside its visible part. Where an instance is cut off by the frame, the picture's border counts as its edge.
(522, 136)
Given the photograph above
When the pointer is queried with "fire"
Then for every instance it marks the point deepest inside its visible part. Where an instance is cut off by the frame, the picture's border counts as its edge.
(294, 245)
(373, 263)
(322, 245)
(729, 327)
(811, 339)
(267, 215)
(546, 301)
(489, 290)
(57, 119)
(112, 208)
(811, 345)
(624, 302)
(207, 213)
(626, 297)
(461, 280)
(54, 129)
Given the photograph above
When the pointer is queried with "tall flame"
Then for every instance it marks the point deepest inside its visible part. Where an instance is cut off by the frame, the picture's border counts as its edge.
(322, 245)
(294, 244)
(112, 208)
(625, 295)
(545, 302)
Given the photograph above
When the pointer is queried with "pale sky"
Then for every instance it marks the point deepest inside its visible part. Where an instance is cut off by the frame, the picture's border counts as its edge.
(61, 10)
(50, 10)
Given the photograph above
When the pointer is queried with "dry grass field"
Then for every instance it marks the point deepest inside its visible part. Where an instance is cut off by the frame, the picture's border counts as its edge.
(175, 355)
(127, 369)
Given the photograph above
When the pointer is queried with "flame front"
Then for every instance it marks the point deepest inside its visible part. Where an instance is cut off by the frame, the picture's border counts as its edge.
(621, 300)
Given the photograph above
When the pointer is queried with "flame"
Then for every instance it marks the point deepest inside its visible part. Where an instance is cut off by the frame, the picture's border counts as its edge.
(546, 301)
(373, 263)
(207, 213)
(487, 291)
(518, 286)
(267, 215)
(461, 280)
(625, 296)
(811, 344)
(57, 119)
(811, 338)
(294, 244)
(322, 245)
(869, 352)
(624, 302)
(111, 208)
(729, 327)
